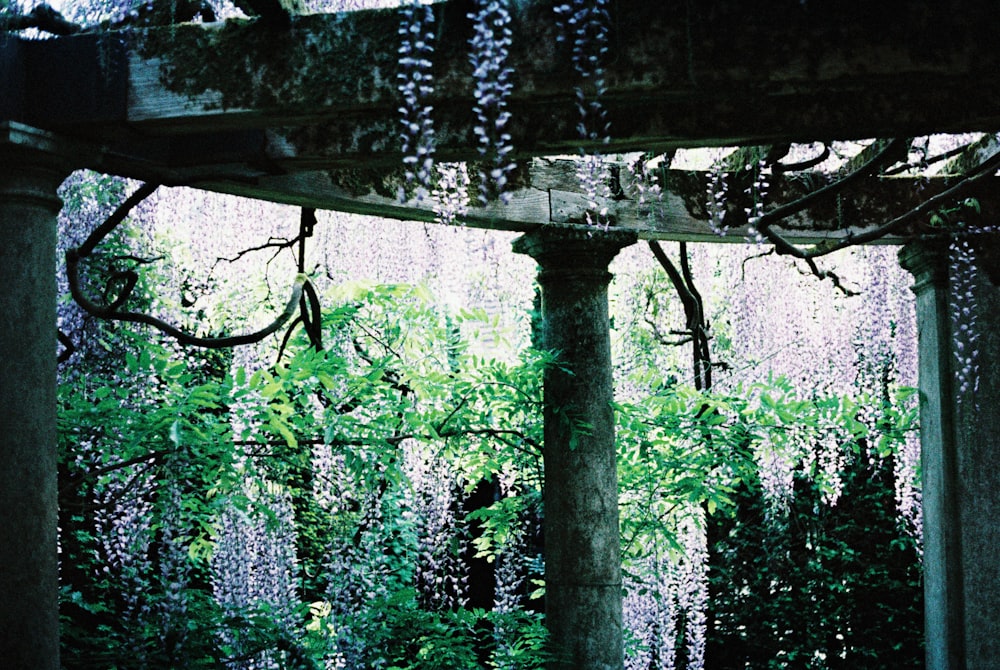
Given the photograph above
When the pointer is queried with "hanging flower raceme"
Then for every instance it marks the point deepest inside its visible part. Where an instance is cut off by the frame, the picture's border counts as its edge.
(449, 198)
(415, 86)
(756, 193)
(716, 193)
(175, 574)
(585, 22)
(490, 43)
(962, 264)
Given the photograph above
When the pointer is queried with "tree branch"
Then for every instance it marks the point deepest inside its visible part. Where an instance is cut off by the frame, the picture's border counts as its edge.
(927, 207)
(694, 312)
(763, 223)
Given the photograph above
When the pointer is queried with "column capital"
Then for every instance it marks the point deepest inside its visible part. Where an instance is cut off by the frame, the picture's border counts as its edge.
(573, 248)
(927, 261)
(33, 163)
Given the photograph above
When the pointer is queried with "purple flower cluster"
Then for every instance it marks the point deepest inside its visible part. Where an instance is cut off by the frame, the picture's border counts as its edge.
(666, 600)
(123, 524)
(441, 575)
(716, 193)
(585, 23)
(415, 85)
(757, 192)
(449, 197)
(174, 575)
(359, 571)
(254, 568)
(962, 266)
(776, 463)
(490, 45)
(510, 577)
(650, 613)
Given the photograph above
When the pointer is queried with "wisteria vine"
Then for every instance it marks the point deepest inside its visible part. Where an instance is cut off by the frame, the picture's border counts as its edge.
(585, 23)
(490, 45)
(415, 86)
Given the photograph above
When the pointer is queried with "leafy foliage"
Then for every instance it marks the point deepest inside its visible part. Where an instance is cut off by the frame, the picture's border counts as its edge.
(824, 587)
(808, 565)
(316, 510)
(337, 433)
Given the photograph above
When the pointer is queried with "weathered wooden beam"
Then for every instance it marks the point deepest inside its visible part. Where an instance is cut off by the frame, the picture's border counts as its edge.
(549, 192)
(307, 114)
(715, 72)
(973, 156)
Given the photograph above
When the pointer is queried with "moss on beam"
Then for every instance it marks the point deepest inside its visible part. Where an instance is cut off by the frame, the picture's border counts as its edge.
(318, 64)
(718, 71)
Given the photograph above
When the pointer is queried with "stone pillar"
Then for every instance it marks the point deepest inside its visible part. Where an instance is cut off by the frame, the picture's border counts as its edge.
(960, 458)
(583, 586)
(29, 616)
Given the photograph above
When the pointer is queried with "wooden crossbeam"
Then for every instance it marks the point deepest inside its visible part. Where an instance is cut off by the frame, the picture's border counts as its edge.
(549, 192)
(717, 72)
(307, 113)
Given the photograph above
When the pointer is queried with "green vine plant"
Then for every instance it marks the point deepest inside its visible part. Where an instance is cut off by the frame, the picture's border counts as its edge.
(326, 439)
(119, 287)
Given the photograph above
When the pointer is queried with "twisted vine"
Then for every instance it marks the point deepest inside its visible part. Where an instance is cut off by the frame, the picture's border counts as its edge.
(120, 286)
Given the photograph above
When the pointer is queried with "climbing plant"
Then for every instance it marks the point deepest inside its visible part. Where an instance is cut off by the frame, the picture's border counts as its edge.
(304, 514)
(308, 393)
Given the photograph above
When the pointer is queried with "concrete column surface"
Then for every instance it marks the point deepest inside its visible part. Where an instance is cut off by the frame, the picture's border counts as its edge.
(29, 617)
(960, 460)
(583, 586)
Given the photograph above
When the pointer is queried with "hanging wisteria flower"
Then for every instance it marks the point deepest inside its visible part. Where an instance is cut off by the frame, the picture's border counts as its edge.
(490, 45)
(585, 22)
(909, 496)
(510, 578)
(254, 567)
(830, 462)
(175, 572)
(450, 196)
(441, 575)
(962, 264)
(125, 532)
(776, 469)
(693, 587)
(757, 192)
(415, 85)
(666, 600)
(716, 193)
(593, 175)
(650, 613)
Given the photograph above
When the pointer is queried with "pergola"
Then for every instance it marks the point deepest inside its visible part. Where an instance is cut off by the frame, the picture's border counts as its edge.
(306, 113)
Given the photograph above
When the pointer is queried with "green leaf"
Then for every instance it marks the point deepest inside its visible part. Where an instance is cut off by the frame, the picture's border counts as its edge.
(282, 428)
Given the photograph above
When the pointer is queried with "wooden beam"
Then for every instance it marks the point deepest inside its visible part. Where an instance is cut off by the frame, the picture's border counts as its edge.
(307, 113)
(549, 192)
(714, 72)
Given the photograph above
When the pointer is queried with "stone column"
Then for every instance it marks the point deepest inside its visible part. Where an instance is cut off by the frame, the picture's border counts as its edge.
(29, 616)
(583, 586)
(960, 458)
